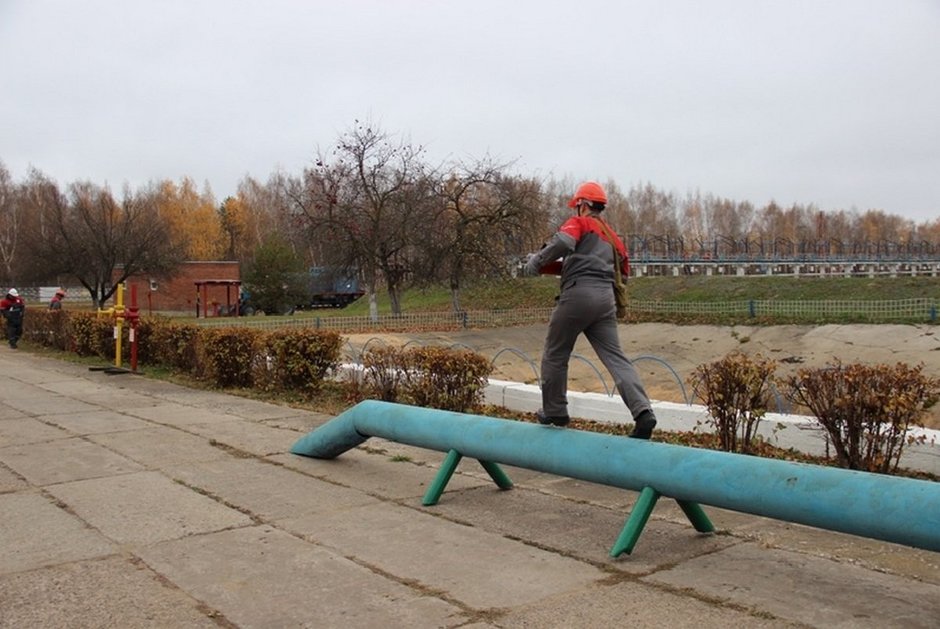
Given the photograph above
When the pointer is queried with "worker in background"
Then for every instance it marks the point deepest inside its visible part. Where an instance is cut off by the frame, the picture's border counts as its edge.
(13, 308)
(56, 302)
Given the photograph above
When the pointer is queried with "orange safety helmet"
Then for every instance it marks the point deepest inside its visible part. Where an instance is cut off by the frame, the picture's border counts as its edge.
(589, 191)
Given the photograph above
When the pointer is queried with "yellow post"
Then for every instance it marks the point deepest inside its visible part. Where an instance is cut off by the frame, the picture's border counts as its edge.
(118, 322)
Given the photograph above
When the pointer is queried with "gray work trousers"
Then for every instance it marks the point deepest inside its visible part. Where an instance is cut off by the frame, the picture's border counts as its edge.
(587, 306)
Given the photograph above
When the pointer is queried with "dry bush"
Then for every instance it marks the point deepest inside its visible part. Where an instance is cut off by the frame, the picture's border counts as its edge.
(91, 335)
(433, 377)
(298, 360)
(736, 390)
(448, 379)
(866, 410)
(175, 345)
(228, 357)
(383, 369)
(49, 328)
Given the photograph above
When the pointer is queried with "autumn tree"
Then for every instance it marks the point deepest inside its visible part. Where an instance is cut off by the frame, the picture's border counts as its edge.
(192, 218)
(241, 227)
(269, 211)
(88, 235)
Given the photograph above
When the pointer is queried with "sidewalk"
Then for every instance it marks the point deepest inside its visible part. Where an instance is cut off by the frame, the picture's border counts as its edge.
(127, 502)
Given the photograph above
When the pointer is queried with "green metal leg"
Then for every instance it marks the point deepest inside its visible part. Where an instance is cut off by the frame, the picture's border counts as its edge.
(433, 494)
(448, 466)
(497, 474)
(696, 516)
(635, 523)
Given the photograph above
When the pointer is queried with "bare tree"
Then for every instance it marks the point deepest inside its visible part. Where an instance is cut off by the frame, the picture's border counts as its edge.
(89, 236)
(10, 212)
(655, 211)
(484, 222)
(369, 199)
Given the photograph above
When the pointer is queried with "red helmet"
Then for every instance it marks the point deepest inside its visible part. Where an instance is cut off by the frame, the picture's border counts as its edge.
(589, 191)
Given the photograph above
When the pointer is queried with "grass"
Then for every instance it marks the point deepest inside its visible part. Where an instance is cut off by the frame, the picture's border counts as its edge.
(540, 292)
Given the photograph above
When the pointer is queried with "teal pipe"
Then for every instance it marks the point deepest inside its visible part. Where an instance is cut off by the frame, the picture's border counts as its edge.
(892, 509)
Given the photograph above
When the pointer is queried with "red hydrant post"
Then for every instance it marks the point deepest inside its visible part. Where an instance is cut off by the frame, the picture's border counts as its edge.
(133, 318)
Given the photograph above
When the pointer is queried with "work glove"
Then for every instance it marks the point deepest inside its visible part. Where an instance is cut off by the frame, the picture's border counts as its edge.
(531, 267)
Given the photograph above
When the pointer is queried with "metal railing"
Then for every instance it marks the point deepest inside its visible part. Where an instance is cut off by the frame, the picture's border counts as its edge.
(920, 309)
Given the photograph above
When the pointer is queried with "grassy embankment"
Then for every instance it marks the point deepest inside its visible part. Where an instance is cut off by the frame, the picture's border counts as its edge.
(540, 292)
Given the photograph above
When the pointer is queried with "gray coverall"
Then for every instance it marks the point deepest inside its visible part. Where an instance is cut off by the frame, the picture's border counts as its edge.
(586, 305)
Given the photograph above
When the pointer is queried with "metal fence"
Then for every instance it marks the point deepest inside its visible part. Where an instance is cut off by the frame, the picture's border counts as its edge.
(924, 310)
(393, 323)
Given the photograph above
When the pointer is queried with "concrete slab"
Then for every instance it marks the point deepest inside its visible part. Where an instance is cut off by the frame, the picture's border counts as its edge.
(634, 605)
(110, 592)
(64, 460)
(160, 447)
(146, 507)
(262, 577)
(25, 430)
(173, 414)
(582, 491)
(302, 422)
(17, 390)
(267, 490)
(44, 403)
(372, 474)
(573, 529)
(802, 588)
(460, 561)
(74, 387)
(8, 412)
(10, 481)
(880, 556)
(33, 371)
(119, 400)
(257, 410)
(224, 403)
(95, 422)
(36, 533)
(252, 437)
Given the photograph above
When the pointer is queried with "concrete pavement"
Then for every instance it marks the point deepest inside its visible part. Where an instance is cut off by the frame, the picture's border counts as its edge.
(128, 502)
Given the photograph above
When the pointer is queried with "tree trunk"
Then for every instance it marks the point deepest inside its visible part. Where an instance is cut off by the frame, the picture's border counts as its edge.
(395, 299)
(373, 305)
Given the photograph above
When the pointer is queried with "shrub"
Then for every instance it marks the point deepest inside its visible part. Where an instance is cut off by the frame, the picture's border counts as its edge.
(866, 410)
(47, 327)
(175, 345)
(736, 391)
(383, 369)
(298, 359)
(147, 349)
(437, 377)
(434, 377)
(91, 335)
(228, 357)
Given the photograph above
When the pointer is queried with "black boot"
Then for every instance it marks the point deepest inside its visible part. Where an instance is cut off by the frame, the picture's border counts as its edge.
(643, 425)
(558, 420)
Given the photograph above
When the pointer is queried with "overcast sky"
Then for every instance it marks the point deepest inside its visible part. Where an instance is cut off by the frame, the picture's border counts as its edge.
(831, 102)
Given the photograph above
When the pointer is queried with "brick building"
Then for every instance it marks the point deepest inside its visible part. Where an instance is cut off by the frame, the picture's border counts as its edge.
(178, 294)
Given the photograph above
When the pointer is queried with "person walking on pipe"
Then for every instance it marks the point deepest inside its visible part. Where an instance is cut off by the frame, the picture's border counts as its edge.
(586, 306)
